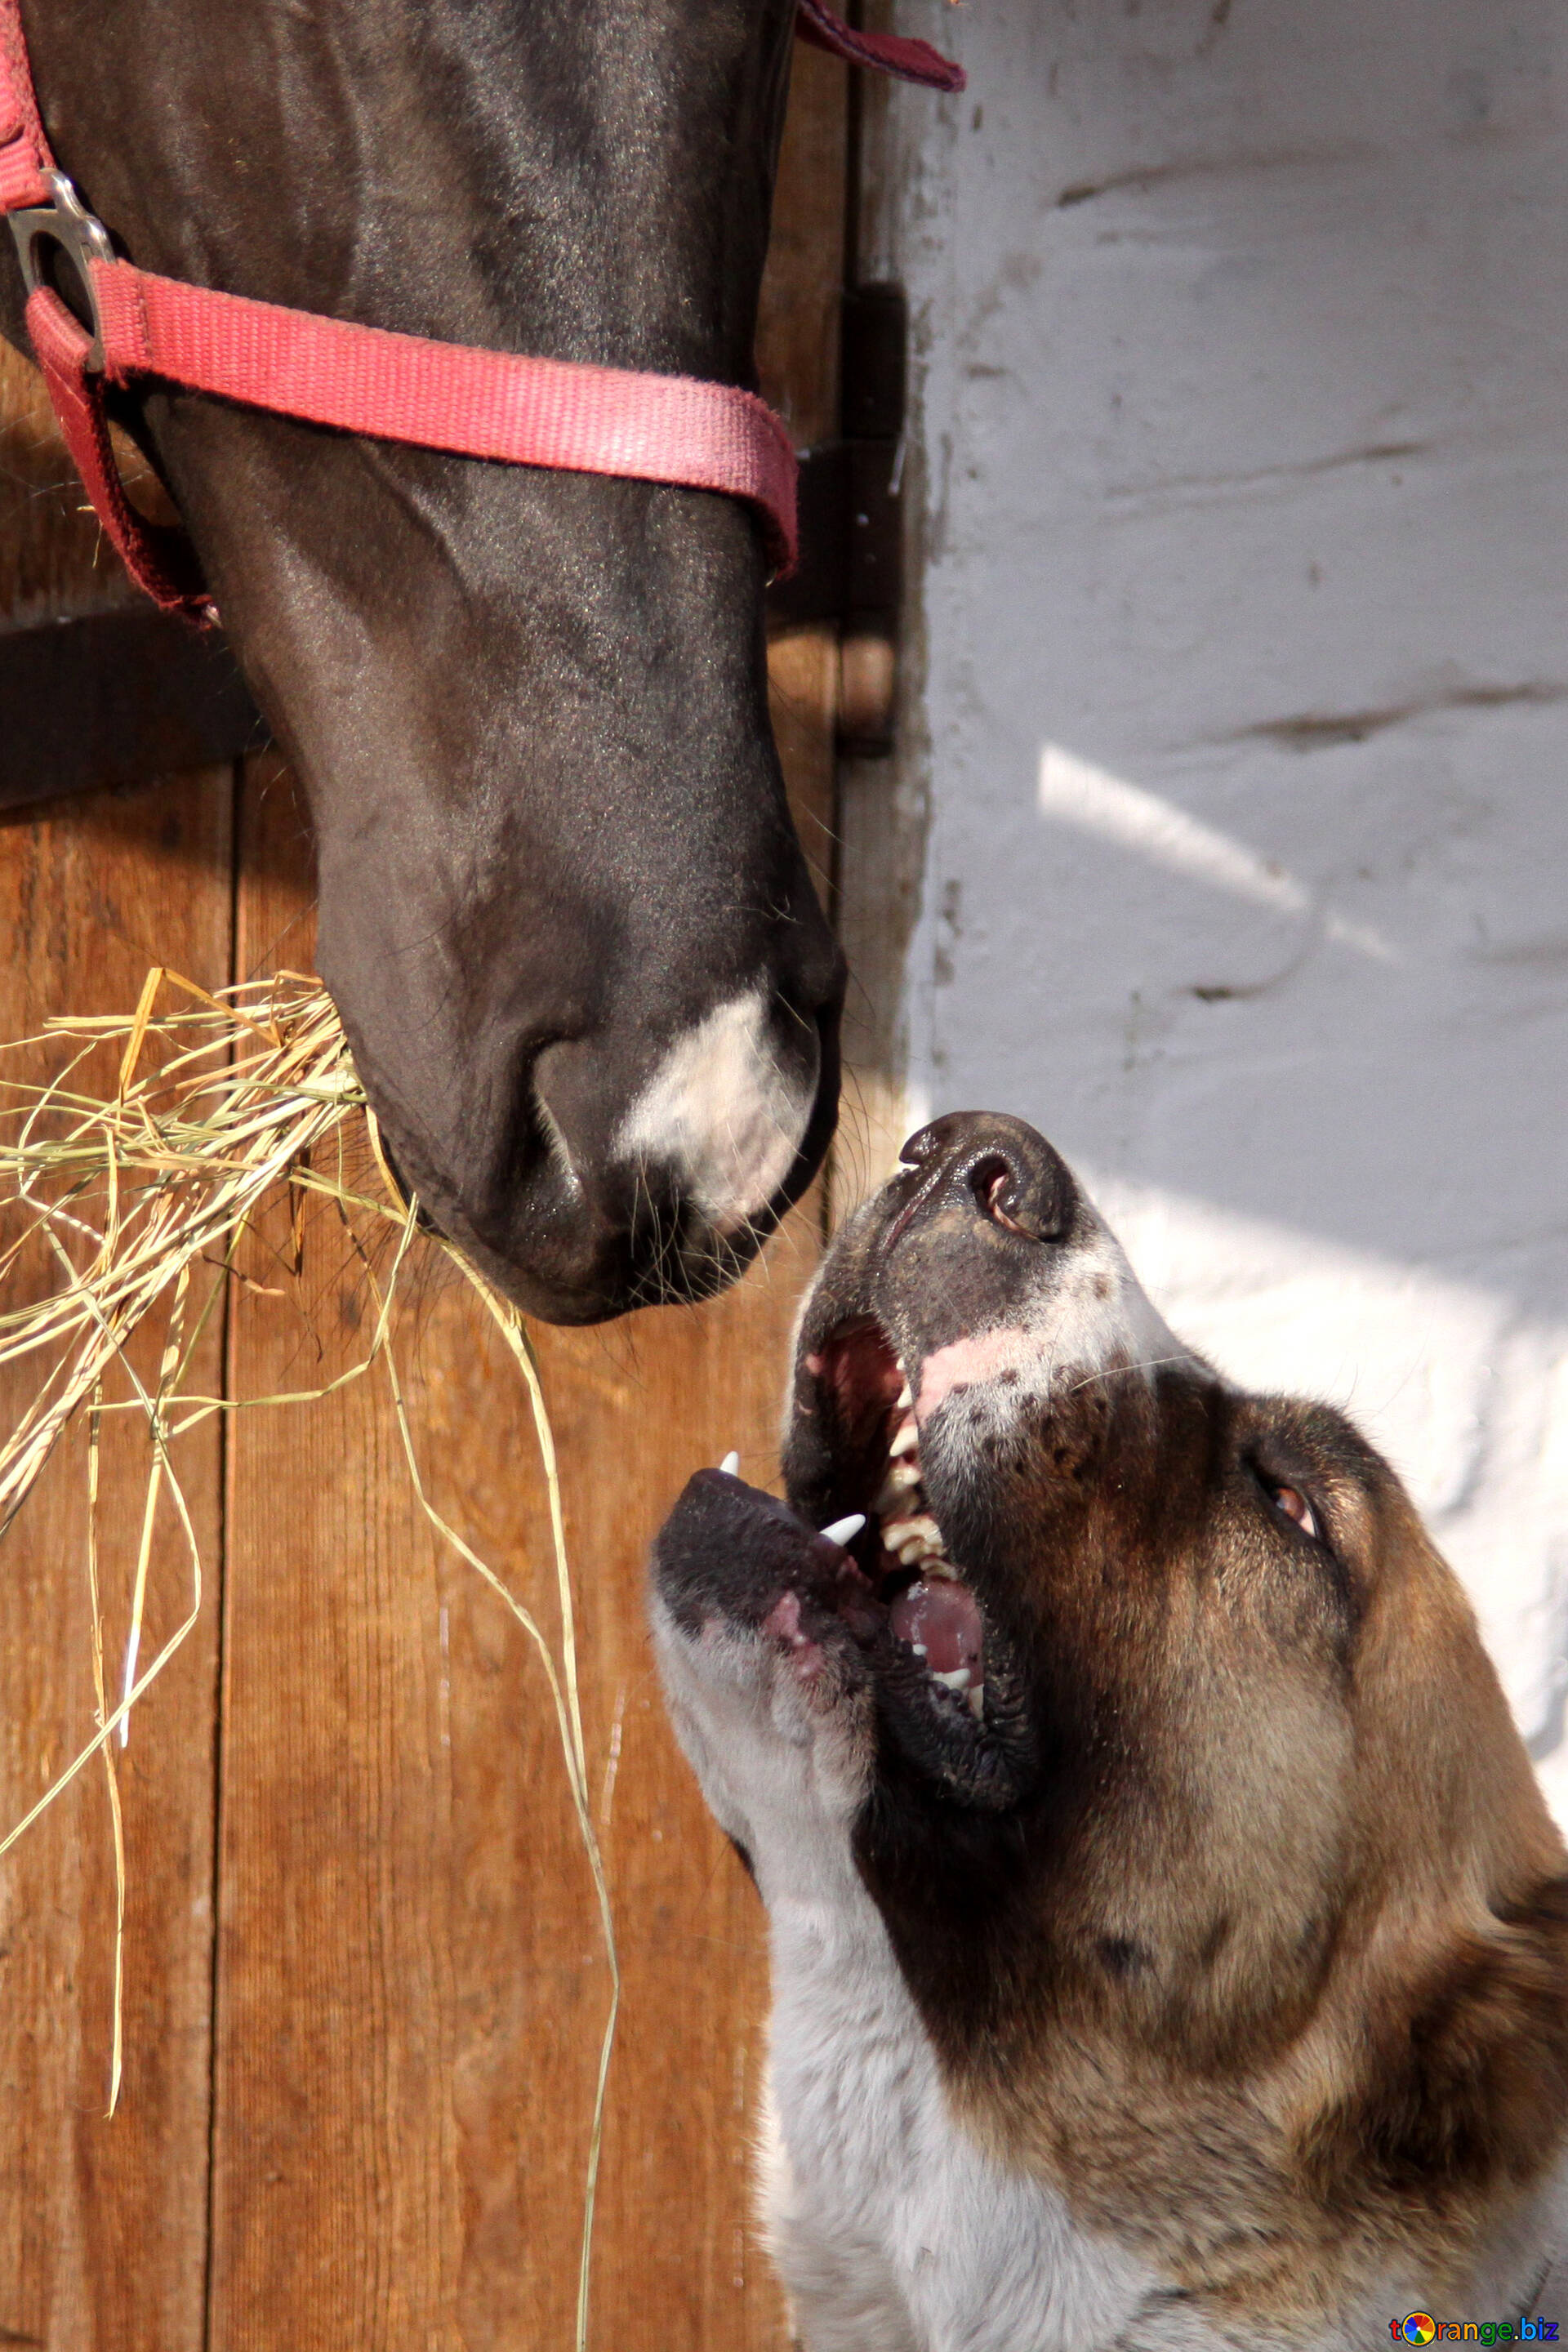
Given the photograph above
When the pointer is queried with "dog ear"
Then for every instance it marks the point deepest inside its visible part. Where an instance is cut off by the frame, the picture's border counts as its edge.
(1468, 2082)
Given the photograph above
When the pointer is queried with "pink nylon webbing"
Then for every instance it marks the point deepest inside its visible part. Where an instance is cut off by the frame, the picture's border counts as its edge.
(883, 52)
(506, 407)
(24, 150)
(478, 403)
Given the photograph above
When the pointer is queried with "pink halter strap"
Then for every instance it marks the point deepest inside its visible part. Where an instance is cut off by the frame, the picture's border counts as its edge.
(883, 52)
(502, 405)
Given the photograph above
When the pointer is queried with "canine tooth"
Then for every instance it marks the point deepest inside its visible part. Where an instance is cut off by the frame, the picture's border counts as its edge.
(904, 1400)
(918, 1648)
(977, 1701)
(908, 1440)
(958, 1680)
(844, 1531)
(731, 1465)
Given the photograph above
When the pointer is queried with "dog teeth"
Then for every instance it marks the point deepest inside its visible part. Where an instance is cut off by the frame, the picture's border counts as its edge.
(901, 1482)
(844, 1531)
(918, 1541)
(963, 1681)
(904, 1400)
(731, 1465)
(908, 1440)
(912, 1540)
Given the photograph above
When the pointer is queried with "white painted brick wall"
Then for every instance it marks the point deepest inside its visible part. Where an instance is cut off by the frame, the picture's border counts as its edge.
(1243, 433)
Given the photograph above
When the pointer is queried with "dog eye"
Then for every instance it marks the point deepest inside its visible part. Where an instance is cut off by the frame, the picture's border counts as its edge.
(1295, 1505)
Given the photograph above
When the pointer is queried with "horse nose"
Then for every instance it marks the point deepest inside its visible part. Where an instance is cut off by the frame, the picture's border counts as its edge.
(1000, 1166)
(732, 1111)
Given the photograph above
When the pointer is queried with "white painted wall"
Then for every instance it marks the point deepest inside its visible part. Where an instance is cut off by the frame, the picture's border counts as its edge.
(1239, 696)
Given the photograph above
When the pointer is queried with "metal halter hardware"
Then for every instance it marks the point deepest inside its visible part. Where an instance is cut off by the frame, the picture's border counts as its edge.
(81, 236)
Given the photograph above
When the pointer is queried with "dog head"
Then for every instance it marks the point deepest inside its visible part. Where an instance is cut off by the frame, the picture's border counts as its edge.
(1160, 1734)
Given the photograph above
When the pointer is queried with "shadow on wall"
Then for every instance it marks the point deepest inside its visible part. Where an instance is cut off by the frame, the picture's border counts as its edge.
(1243, 397)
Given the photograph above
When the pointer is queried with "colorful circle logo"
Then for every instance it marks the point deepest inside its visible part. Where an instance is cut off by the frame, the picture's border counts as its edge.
(1419, 2327)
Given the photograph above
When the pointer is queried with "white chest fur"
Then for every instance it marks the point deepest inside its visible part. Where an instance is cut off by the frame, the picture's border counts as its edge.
(893, 2230)
(894, 2233)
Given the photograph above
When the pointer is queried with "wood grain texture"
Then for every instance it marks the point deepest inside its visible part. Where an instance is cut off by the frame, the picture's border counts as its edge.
(797, 330)
(103, 2224)
(411, 1987)
(398, 2024)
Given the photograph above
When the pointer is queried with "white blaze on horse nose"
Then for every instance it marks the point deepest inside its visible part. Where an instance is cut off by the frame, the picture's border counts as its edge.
(722, 1115)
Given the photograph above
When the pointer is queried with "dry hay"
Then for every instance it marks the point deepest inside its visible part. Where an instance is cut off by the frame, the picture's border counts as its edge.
(138, 1194)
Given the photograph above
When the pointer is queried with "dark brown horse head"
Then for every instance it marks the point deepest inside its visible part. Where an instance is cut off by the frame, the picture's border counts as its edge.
(563, 911)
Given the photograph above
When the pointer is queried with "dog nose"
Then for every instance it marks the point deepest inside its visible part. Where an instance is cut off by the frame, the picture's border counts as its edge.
(1010, 1173)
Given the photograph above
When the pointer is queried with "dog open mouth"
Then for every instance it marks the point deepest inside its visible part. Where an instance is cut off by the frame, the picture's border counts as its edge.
(877, 1579)
(896, 1570)
(851, 1583)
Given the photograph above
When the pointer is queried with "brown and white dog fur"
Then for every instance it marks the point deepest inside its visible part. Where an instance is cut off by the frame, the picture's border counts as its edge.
(1198, 1975)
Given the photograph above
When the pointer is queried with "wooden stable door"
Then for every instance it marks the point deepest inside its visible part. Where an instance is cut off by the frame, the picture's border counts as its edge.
(364, 1980)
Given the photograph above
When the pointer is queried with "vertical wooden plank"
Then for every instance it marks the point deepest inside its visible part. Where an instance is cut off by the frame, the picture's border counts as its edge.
(334, 2191)
(883, 801)
(798, 326)
(103, 2224)
(798, 368)
(411, 1987)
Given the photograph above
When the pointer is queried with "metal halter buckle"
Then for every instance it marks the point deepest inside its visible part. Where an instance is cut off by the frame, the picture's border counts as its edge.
(79, 234)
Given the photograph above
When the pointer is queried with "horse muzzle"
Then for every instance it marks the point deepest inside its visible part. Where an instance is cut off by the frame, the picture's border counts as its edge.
(580, 1216)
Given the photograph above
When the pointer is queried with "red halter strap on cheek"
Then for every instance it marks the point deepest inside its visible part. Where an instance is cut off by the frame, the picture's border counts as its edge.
(501, 405)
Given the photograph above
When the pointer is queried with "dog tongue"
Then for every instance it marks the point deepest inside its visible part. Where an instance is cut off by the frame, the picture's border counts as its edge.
(942, 1616)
